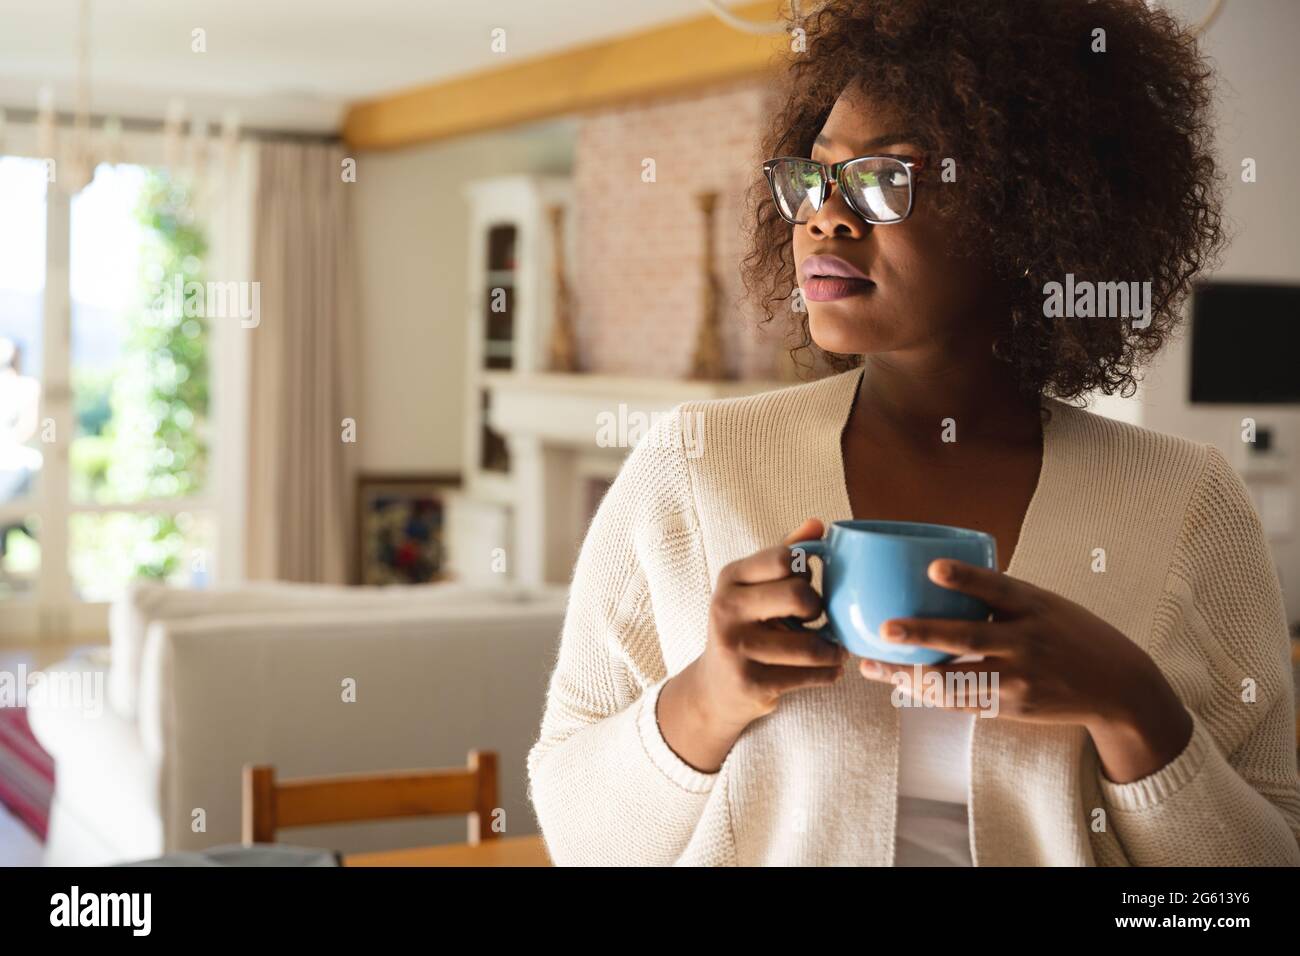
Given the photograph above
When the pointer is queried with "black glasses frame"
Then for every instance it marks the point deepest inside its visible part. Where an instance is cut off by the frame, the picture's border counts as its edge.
(831, 176)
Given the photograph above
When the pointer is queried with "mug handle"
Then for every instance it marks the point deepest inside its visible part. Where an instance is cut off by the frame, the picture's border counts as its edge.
(813, 547)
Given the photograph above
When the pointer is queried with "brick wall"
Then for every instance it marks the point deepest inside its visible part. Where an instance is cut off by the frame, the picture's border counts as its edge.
(637, 276)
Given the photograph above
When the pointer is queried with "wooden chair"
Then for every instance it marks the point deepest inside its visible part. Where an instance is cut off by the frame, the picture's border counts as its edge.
(271, 805)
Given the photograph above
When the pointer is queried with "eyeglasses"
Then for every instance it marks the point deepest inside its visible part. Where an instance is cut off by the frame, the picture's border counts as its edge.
(877, 188)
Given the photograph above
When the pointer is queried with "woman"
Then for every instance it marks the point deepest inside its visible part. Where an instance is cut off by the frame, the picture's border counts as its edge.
(1145, 709)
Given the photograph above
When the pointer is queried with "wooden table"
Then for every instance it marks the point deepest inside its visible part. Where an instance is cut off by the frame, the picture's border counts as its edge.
(506, 851)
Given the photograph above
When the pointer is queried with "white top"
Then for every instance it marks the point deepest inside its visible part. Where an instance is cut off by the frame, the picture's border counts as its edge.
(933, 779)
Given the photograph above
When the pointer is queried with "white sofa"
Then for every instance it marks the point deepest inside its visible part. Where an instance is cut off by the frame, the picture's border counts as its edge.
(201, 683)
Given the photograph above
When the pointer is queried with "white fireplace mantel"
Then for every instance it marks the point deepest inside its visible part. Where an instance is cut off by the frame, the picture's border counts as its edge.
(552, 423)
(562, 408)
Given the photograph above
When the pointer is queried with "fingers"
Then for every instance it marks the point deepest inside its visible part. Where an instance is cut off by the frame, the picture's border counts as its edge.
(781, 680)
(885, 671)
(787, 597)
(748, 621)
(999, 638)
(997, 590)
(776, 646)
(962, 690)
(811, 528)
(772, 563)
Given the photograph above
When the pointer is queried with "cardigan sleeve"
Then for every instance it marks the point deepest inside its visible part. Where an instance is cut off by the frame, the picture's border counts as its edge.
(1231, 798)
(606, 787)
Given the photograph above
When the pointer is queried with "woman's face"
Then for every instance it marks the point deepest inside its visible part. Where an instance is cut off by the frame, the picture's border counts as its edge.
(920, 297)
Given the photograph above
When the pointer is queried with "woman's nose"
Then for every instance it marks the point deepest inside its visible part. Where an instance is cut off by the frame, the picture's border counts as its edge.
(835, 218)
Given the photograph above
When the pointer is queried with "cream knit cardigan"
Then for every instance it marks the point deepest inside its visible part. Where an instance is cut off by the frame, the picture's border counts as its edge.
(1188, 576)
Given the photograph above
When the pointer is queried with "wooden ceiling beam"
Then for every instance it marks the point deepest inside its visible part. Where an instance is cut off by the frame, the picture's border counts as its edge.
(662, 61)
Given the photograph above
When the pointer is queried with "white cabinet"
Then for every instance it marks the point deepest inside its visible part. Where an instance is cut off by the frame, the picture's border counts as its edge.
(511, 304)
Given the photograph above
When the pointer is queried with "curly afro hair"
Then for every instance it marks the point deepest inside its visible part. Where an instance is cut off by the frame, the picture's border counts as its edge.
(1098, 164)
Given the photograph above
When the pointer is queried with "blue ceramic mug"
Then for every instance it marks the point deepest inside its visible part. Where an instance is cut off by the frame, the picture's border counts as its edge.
(873, 571)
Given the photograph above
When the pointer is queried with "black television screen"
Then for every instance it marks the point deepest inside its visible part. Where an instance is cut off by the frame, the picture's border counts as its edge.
(1245, 344)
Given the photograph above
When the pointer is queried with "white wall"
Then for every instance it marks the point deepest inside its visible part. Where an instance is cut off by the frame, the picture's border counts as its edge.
(412, 223)
(1253, 46)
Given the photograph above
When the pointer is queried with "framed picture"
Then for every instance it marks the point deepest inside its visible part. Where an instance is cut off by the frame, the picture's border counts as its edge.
(400, 528)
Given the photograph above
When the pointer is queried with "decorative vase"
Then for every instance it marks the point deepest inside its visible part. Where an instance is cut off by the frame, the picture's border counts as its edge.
(707, 364)
(562, 349)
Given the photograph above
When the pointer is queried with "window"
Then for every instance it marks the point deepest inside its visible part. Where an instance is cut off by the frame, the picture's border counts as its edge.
(106, 438)
(22, 293)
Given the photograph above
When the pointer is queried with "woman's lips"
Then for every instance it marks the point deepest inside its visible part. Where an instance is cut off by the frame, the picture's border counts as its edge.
(830, 288)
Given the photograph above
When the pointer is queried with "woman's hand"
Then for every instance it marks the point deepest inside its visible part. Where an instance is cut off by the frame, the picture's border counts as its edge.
(750, 659)
(1056, 662)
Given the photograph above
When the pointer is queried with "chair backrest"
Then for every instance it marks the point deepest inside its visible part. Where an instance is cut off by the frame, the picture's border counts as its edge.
(271, 805)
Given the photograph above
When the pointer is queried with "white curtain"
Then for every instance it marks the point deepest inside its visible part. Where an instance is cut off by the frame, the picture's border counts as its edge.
(302, 368)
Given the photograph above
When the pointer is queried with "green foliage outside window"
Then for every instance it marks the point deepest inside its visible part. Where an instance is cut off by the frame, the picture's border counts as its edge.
(167, 454)
(141, 429)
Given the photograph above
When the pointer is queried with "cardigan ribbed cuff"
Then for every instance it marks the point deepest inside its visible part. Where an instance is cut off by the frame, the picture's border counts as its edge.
(1154, 789)
(660, 754)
